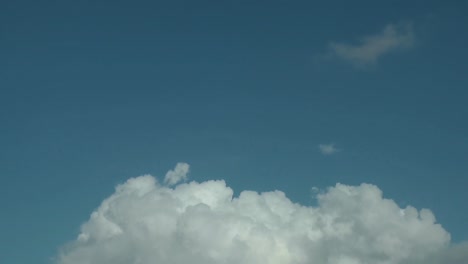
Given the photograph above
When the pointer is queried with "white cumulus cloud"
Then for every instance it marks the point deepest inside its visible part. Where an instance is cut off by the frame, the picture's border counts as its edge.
(371, 48)
(144, 222)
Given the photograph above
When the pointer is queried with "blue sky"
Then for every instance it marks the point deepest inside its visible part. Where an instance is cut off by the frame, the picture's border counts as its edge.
(95, 92)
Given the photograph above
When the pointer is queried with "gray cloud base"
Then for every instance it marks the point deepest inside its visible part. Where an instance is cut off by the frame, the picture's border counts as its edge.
(145, 222)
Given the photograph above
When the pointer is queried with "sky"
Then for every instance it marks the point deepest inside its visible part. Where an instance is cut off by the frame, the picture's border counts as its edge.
(275, 115)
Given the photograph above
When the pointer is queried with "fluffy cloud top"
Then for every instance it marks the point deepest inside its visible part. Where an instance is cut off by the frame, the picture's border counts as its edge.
(145, 222)
(371, 48)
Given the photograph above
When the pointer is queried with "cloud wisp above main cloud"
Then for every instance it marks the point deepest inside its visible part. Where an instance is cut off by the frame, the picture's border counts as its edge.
(370, 48)
(178, 174)
(145, 222)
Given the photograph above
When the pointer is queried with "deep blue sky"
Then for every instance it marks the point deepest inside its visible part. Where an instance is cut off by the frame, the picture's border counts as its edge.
(95, 92)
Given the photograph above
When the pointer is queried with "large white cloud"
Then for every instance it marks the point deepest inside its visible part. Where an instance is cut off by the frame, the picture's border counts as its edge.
(145, 222)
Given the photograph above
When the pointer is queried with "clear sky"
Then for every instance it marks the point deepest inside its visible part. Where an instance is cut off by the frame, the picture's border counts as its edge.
(266, 95)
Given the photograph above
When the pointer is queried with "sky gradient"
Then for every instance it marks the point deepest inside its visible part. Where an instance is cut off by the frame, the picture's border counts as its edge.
(266, 95)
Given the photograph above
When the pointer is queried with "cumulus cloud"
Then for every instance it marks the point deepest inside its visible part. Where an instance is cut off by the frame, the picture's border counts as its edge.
(178, 174)
(328, 149)
(371, 48)
(144, 222)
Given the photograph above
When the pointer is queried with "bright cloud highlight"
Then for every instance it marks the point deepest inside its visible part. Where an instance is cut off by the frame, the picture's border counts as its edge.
(145, 222)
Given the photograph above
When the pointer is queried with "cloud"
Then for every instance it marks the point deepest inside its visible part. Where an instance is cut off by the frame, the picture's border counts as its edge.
(456, 254)
(178, 174)
(328, 149)
(371, 48)
(145, 222)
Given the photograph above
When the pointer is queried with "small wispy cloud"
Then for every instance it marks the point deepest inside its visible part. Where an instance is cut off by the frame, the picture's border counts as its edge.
(371, 48)
(328, 149)
(178, 174)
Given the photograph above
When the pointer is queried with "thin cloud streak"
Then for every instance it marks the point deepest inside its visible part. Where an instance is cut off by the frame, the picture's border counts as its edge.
(328, 149)
(371, 48)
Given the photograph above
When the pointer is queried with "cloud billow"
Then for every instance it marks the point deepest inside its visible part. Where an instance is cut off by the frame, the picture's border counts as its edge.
(145, 222)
